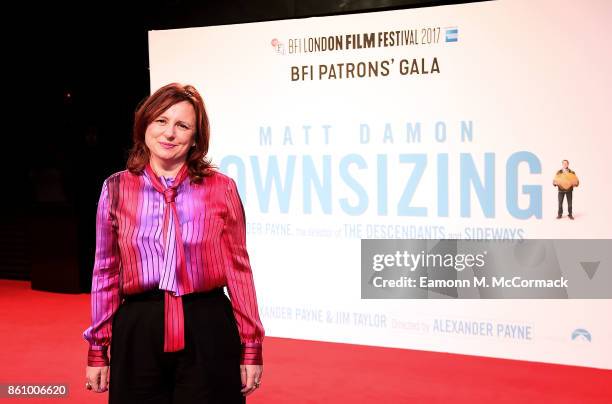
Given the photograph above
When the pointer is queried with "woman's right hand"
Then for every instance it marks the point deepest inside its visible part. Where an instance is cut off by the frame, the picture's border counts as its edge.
(97, 376)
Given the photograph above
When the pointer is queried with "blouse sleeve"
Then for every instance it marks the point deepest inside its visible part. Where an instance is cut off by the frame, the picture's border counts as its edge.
(240, 283)
(105, 285)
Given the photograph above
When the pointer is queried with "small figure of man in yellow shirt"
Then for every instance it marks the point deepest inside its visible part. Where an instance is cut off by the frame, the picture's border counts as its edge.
(565, 180)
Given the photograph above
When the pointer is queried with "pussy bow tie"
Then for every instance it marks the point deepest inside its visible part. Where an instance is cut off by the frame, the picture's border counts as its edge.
(174, 326)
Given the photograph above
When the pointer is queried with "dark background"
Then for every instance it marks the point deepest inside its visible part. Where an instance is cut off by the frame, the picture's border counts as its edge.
(80, 70)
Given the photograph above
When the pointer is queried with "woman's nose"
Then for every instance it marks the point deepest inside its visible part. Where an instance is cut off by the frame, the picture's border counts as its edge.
(169, 131)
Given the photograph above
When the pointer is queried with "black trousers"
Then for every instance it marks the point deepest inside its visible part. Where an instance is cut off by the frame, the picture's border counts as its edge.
(567, 194)
(206, 371)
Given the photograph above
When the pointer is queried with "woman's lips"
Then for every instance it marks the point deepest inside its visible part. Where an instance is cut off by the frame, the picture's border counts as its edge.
(167, 145)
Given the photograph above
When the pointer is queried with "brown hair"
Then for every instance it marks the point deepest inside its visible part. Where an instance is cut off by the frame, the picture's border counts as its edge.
(198, 163)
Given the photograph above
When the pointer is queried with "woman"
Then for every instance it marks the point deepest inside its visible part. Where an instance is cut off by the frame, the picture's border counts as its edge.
(170, 234)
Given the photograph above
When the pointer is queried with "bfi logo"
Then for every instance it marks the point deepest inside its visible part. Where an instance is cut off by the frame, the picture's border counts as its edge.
(278, 46)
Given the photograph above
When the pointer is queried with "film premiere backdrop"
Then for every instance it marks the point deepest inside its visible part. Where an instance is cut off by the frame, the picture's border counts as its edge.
(431, 123)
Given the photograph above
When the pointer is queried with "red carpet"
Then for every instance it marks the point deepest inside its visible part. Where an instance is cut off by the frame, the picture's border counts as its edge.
(40, 337)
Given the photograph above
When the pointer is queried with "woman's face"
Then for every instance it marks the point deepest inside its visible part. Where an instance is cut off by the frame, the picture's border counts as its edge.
(171, 134)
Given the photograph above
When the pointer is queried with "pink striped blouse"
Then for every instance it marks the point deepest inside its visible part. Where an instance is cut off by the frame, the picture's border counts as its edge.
(129, 255)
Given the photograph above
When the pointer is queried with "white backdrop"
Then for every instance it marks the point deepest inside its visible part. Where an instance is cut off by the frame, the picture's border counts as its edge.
(457, 135)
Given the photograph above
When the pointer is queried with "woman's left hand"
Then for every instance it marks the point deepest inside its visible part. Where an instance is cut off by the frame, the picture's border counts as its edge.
(251, 377)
